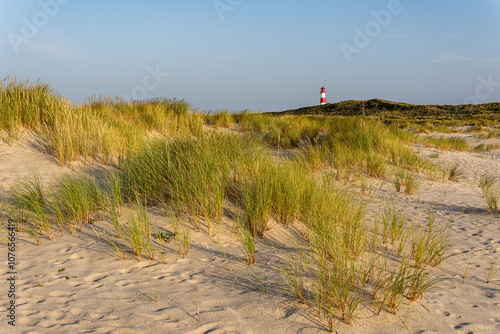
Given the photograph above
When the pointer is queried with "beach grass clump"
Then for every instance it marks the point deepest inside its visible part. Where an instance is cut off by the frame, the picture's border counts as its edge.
(376, 166)
(324, 275)
(32, 230)
(113, 216)
(282, 132)
(412, 183)
(353, 144)
(336, 288)
(105, 128)
(419, 246)
(398, 178)
(76, 134)
(79, 199)
(120, 254)
(486, 182)
(71, 200)
(454, 173)
(491, 197)
(133, 235)
(30, 189)
(32, 198)
(336, 291)
(182, 233)
(406, 282)
(484, 148)
(21, 219)
(169, 117)
(248, 240)
(421, 281)
(431, 218)
(65, 130)
(394, 222)
(325, 285)
(221, 118)
(295, 271)
(138, 231)
(288, 189)
(100, 129)
(195, 180)
(492, 270)
(256, 197)
(405, 157)
(242, 117)
(430, 247)
(454, 143)
(114, 186)
(38, 216)
(311, 157)
(491, 193)
(467, 270)
(191, 174)
(197, 175)
(25, 104)
(344, 161)
(395, 288)
(145, 172)
(335, 221)
(250, 122)
(142, 215)
(60, 140)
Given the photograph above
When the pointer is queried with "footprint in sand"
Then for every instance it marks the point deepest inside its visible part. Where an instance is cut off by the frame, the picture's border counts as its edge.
(59, 293)
(32, 313)
(162, 277)
(95, 278)
(76, 256)
(123, 283)
(75, 311)
(56, 315)
(462, 325)
(64, 250)
(207, 328)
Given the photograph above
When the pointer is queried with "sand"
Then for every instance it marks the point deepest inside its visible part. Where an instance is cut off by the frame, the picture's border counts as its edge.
(75, 284)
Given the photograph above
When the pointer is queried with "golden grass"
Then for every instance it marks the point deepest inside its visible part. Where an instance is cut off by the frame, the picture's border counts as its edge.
(165, 157)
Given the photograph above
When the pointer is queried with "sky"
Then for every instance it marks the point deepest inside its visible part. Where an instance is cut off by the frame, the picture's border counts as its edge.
(256, 54)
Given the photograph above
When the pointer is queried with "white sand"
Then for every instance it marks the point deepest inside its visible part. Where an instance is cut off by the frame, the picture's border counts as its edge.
(199, 294)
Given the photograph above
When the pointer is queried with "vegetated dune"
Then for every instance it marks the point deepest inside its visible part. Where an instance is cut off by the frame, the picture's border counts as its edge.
(76, 283)
(398, 110)
(278, 225)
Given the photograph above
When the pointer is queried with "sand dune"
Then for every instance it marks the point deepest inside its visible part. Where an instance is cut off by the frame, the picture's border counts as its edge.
(75, 284)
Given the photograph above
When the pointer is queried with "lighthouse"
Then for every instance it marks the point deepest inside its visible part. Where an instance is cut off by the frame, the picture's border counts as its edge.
(323, 95)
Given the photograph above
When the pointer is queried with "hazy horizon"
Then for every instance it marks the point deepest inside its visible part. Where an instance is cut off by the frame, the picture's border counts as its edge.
(258, 55)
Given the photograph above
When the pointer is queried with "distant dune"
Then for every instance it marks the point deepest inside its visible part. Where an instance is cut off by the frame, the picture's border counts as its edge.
(398, 110)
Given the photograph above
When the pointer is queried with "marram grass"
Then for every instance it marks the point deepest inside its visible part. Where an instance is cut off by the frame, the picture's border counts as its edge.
(166, 155)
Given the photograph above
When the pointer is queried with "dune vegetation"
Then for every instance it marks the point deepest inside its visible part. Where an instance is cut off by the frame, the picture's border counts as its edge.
(482, 113)
(265, 169)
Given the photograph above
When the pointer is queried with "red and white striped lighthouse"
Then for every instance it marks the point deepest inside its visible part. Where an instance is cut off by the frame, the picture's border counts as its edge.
(323, 95)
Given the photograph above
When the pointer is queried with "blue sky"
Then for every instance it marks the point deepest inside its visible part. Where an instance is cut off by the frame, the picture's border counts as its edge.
(257, 54)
